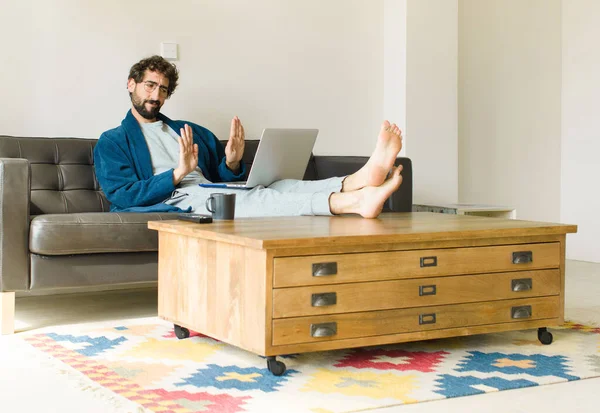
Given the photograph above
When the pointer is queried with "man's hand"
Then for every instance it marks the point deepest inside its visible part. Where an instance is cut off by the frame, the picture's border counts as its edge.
(188, 154)
(235, 145)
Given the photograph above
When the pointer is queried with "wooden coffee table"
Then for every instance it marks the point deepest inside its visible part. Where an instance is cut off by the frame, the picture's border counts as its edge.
(276, 286)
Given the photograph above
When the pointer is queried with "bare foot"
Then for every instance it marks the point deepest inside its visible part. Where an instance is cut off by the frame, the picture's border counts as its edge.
(368, 201)
(389, 143)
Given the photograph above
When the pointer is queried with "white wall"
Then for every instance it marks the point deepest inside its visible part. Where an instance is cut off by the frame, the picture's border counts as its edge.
(394, 65)
(301, 63)
(510, 105)
(431, 99)
(580, 171)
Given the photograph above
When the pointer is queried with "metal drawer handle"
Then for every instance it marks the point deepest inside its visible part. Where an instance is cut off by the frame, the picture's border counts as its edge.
(426, 319)
(428, 262)
(323, 330)
(321, 269)
(523, 311)
(427, 290)
(323, 299)
(522, 284)
(522, 257)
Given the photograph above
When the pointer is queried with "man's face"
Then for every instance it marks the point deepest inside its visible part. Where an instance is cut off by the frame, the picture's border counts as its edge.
(149, 95)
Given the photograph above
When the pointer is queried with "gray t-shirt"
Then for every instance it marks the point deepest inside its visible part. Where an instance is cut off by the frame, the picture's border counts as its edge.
(164, 151)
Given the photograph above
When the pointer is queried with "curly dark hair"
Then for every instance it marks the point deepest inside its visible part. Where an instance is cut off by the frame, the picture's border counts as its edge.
(155, 64)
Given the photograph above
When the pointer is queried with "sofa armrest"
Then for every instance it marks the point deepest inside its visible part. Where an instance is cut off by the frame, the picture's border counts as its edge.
(14, 224)
(322, 167)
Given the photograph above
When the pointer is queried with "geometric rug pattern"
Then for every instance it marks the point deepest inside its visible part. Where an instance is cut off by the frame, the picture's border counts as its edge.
(143, 361)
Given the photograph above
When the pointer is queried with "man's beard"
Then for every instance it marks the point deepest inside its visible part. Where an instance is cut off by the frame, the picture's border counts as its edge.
(140, 106)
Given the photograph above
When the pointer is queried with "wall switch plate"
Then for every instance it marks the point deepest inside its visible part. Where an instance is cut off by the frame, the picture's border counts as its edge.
(168, 51)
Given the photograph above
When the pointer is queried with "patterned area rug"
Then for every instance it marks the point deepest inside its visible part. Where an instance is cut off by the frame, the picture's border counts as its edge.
(143, 361)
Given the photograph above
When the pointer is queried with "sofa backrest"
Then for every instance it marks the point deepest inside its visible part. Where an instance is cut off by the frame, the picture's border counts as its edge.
(62, 173)
(63, 178)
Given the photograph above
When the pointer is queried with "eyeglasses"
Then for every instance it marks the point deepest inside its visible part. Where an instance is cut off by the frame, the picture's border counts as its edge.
(149, 86)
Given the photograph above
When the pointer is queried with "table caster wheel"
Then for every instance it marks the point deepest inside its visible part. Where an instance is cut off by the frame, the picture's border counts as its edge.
(544, 335)
(274, 366)
(181, 332)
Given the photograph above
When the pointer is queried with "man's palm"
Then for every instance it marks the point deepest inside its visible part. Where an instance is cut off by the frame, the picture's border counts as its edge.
(189, 159)
(234, 150)
(188, 154)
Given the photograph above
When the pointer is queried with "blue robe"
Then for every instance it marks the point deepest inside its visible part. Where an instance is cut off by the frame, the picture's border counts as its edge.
(124, 168)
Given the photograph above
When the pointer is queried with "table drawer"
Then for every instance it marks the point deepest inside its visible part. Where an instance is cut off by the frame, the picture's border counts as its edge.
(384, 295)
(374, 323)
(343, 268)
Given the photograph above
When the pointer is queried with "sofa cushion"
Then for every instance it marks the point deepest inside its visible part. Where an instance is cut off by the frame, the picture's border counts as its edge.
(85, 233)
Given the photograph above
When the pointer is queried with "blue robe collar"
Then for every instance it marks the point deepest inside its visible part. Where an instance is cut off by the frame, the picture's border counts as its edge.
(137, 143)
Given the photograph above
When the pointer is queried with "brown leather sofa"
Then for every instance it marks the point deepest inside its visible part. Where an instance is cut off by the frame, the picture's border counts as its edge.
(56, 231)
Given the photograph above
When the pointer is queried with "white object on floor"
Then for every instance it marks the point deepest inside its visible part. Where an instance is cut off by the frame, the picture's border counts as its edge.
(7, 313)
(481, 210)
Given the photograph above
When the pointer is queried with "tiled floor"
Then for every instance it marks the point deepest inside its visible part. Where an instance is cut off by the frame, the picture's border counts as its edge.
(30, 389)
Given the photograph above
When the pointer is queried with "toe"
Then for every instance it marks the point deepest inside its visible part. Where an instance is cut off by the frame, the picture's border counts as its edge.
(396, 171)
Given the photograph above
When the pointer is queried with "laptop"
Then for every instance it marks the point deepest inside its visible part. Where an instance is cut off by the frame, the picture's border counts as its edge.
(281, 154)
